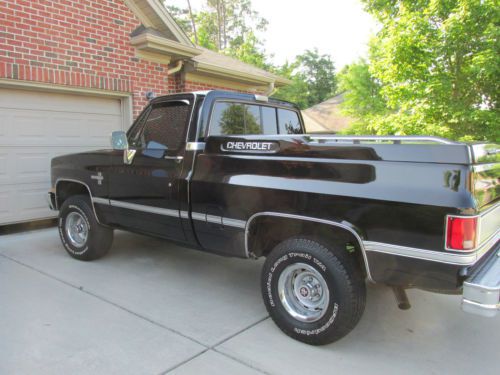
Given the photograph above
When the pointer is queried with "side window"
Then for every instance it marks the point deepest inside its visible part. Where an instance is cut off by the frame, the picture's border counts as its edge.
(289, 122)
(239, 118)
(134, 132)
(165, 126)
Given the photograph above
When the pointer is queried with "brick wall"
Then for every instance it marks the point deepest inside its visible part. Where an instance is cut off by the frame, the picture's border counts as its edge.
(83, 43)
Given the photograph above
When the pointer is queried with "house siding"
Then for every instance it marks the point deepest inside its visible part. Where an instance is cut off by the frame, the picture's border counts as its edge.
(83, 44)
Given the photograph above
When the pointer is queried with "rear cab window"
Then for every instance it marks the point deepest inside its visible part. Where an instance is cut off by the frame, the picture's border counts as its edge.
(289, 122)
(235, 118)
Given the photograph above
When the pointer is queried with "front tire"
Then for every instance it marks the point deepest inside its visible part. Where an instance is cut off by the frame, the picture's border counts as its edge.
(314, 294)
(82, 236)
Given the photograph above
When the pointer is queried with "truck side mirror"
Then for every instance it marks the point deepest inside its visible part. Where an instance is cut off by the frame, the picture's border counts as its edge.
(119, 140)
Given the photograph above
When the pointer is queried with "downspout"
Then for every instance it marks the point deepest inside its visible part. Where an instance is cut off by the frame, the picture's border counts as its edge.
(176, 68)
(271, 89)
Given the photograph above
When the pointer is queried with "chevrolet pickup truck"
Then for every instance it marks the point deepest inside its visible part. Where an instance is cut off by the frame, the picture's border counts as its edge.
(237, 175)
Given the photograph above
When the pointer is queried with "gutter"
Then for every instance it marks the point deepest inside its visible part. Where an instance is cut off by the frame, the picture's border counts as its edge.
(176, 68)
(272, 89)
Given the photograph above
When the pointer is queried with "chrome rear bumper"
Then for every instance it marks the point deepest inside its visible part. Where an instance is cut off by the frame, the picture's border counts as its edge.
(481, 291)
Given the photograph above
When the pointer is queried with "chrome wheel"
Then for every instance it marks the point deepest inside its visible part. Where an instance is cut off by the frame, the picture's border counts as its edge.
(76, 229)
(303, 292)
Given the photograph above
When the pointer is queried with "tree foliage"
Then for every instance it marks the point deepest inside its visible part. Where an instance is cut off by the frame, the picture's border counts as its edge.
(238, 119)
(434, 65)
(363, 100)
(313, 79)
(227, 26)
(232, 27)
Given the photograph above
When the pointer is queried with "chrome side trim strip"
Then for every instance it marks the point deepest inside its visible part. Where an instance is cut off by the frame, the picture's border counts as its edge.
(389, 138)
(214, 219)
(227, 222)
(81, 183)
(313, 219)
(198, 216)
(143, 208)
(430, 255)
(455, 258)
(184, 214)
(195, 146)
(100, 200)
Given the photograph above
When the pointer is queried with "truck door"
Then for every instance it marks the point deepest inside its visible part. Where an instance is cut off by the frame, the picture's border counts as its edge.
(144, 180)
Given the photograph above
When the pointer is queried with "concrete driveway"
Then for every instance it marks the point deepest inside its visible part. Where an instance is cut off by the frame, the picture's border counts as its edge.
(151, 307)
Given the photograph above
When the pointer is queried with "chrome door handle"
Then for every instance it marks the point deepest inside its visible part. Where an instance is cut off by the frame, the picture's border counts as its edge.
(178, 159)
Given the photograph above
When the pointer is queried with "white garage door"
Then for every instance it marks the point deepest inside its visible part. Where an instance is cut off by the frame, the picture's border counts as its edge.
(36, 126)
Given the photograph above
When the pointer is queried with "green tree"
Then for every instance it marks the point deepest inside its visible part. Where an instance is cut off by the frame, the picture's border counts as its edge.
(313, 79)
(362, 98)
(227, 26)
(249, 49)
(437, 62)
(181, 16)
(295, 91)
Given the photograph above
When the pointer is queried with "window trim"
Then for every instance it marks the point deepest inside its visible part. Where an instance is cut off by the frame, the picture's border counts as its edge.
(139, 122)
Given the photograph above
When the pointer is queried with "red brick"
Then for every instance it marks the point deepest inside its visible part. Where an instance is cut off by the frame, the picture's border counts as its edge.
(62, 27)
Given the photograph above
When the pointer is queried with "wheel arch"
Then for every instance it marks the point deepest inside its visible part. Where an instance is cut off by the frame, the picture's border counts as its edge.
(67, 187)
(258, 242)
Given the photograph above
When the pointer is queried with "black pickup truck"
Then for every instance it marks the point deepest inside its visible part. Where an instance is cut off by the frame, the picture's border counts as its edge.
(236, 174)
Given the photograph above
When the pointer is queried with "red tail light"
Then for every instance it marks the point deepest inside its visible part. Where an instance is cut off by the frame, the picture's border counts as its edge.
(461, 233)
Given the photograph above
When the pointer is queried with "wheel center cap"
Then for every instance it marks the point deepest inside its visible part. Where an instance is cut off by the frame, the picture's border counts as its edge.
(304, 292)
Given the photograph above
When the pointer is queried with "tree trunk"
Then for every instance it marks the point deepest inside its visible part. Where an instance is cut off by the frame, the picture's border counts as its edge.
(193, 24)
(219, 27)
(224, 23)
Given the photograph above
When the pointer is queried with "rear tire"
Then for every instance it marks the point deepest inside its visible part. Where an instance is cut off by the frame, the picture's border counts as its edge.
(82, 236)
(314, 294)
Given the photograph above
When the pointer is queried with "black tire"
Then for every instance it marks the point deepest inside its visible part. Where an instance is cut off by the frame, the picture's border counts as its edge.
(333, 268)
(77, 210)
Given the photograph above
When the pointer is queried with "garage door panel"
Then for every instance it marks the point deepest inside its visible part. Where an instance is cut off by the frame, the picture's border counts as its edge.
(4, 165)
(4, 203)
(105, 124)
(36, 127)
(22, 204)
(25, 127)
(44, 129)
(3, 123)
(42, 101)
(21, 165)
(31, 167)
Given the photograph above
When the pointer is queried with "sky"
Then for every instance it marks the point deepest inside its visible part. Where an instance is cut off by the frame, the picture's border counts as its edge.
(339, 28)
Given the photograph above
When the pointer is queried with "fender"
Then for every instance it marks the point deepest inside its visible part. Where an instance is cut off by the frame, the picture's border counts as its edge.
(344, 225)
(92, 199)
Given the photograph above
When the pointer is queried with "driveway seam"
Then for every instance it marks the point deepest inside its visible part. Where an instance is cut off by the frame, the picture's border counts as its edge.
(213, 348)
(183, 362)
(149, 320)
(80, 288)
(238, 332)
(240, 361)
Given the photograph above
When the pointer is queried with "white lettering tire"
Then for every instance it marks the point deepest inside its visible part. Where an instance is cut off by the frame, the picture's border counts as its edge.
(81, 235)
(314, 294)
